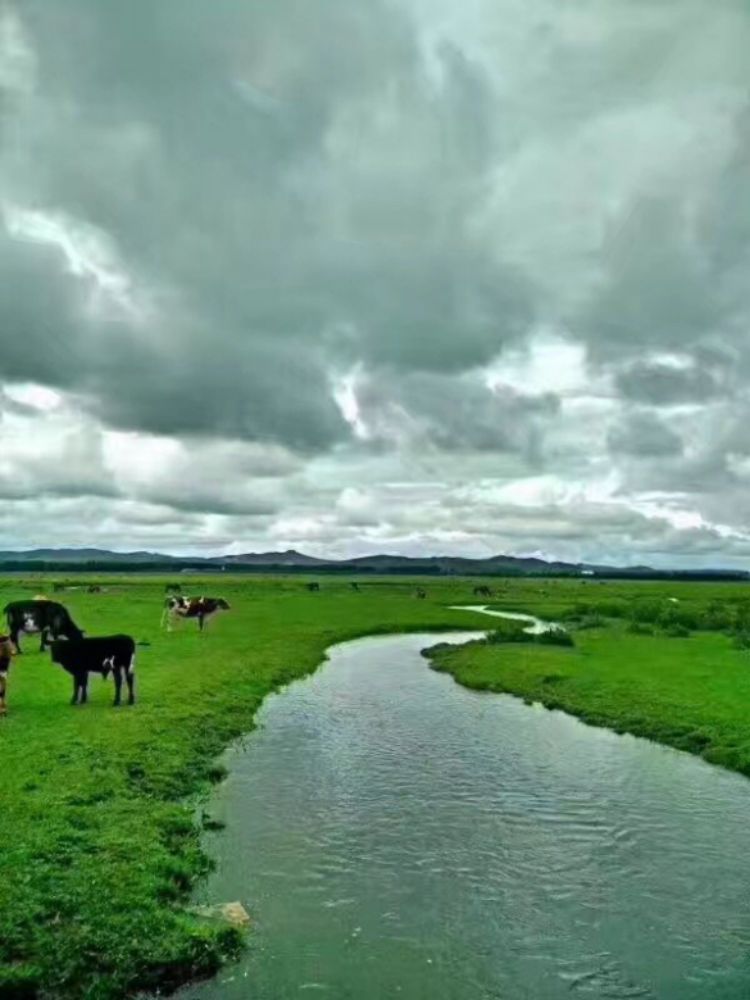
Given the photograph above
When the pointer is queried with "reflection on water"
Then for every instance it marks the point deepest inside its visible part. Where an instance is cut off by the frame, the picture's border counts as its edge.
(396, 835)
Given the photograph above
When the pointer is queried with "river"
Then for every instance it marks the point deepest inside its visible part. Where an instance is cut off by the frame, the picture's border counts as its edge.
(396, 835)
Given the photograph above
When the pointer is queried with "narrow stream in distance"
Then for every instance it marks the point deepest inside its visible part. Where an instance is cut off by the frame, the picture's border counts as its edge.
(396, 835)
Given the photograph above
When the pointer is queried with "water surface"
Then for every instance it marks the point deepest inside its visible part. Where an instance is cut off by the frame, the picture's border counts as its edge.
(396, 835)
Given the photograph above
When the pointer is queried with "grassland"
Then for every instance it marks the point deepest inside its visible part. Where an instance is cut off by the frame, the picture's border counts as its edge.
(97, 818)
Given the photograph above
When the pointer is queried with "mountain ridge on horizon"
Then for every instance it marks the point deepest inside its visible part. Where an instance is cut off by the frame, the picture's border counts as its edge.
(294, 560)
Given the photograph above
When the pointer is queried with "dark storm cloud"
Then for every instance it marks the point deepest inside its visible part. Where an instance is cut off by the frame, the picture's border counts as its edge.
(251, 232)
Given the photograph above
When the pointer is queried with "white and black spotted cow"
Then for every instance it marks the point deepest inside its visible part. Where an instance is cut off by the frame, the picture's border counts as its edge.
(202, 609)
(105, 655)
(42, 617)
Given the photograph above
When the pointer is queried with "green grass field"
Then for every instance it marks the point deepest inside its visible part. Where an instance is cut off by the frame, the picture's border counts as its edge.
(100, 846)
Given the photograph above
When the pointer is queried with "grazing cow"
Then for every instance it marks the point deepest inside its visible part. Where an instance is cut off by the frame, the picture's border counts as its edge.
(355, 586)
(482, 591)
(420, 593)
(103, 655)
(48, 618)
(201, 608)
(6, 651)
(313, 587)
(172, 588)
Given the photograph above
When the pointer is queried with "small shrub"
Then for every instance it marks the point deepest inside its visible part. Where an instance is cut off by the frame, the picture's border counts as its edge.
(501, 635)
(555, 637)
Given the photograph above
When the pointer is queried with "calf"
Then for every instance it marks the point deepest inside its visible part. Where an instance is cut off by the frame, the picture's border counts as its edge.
(200, 608)
(99, 655)
(43, 617)
(6, 651)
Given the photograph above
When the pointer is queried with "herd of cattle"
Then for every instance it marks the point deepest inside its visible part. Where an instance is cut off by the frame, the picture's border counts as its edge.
(82, 655)
(109, 654)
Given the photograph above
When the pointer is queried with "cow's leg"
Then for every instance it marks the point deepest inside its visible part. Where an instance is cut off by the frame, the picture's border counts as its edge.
(3, 707)
(44, 639)
(84, 682)
(76, 686)
(130, 679)
(117, 674)
(14, 639)
(201, 619)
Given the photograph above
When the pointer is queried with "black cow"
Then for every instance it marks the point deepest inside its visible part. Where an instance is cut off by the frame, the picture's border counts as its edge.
(313, 587)
(420, 593)
(103, 655)
(200, 608)
(482, 591)
(355, 586)
(45, 617)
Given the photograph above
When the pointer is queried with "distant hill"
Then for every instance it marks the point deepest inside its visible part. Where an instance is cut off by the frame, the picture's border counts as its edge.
(292, 561)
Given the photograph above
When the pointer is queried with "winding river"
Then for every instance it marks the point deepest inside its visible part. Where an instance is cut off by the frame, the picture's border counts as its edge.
(396, 835)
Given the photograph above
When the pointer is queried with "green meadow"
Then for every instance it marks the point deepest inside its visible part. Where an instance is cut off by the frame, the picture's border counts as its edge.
(101, 808)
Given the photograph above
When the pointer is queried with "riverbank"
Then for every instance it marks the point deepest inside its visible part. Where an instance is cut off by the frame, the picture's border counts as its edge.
(690, 693)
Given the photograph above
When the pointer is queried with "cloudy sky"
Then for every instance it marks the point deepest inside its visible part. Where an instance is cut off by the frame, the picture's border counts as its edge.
(387, 275)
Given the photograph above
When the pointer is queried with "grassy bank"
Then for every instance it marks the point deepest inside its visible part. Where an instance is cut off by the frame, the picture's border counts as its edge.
(692, 693)
(99, 846)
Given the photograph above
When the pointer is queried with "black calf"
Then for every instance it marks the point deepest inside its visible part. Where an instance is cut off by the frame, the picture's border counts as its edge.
(99, 655)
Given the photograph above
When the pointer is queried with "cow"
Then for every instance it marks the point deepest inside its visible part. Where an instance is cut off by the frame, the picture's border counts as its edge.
(355, 587)
(200, 608)
(313, 587)
(45, 617)
(94, 589)
(103, 655)
(420, 593)
(482, 591)
(6, 652)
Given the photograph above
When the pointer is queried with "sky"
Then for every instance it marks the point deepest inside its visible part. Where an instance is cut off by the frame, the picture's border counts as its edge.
(352, 277)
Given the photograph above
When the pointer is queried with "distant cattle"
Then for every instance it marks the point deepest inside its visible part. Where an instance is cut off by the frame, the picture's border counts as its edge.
(355, 586)
(420, 593)
(48, 618)
(482, 591)
(103, 655)
(313, 587)
(200, 608)
(172, 588)
(6, 652)
(94, 589)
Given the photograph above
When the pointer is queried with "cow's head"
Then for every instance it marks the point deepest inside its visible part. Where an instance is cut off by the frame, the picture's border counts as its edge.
(221, 603)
